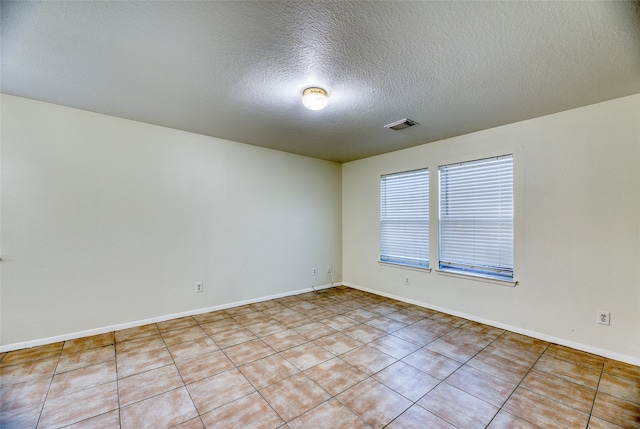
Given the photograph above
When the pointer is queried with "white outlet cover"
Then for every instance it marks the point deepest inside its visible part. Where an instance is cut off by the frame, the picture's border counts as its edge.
(604, 318)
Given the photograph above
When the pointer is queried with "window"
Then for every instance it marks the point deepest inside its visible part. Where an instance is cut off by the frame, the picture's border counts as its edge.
(404, 218)
(476, 217)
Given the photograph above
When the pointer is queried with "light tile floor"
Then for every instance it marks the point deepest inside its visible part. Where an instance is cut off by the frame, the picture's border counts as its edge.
(340, 359)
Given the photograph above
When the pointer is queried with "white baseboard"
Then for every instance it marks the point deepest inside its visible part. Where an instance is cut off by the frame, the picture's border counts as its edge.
(74, 335)
(574, 345)
(105, 329)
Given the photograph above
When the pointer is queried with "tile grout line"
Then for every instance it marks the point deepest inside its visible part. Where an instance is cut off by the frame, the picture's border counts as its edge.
(518, 385)
(184, 384)
(115, 356)
(595, 396)
(309, 378)
(241, 373)
(553, 375)
(149, 370)
(299, 372)
(338, 357)
(415, 403)
(49, 388)
(398, 360)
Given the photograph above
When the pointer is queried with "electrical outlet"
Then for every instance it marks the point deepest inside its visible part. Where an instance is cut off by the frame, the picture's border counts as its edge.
(604, 318)
(314, 271)
(329, 269)
(199, 287)
(407, 280)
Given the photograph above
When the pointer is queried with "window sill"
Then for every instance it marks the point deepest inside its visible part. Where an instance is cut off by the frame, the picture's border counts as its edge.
(508, 283)
(406, 267)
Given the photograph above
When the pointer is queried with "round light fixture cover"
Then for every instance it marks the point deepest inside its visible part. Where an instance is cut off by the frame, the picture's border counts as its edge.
(314, 98)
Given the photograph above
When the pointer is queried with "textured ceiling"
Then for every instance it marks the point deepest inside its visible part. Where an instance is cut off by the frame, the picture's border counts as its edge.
(236, 70)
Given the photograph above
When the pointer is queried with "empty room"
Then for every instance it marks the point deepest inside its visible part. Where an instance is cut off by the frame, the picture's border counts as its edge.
(310, 214)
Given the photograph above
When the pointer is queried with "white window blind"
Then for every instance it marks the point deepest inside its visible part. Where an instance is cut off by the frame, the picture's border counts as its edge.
(476, 217)
(404, 218)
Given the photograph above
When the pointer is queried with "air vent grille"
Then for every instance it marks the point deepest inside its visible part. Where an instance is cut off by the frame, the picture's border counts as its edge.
(401, 124)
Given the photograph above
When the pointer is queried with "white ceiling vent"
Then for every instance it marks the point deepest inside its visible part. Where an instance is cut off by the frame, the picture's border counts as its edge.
(401, 124)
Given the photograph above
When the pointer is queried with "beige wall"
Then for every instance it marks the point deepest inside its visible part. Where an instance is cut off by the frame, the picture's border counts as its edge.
(108, 222)
(577, 228)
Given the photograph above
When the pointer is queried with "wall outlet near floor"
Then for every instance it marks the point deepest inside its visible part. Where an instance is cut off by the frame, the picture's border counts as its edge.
(199, 287)
(329, 269)
(314, 271)
(407, 280)
(604, 318)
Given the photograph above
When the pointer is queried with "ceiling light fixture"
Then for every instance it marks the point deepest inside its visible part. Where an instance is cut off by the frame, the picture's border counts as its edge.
(314, 98)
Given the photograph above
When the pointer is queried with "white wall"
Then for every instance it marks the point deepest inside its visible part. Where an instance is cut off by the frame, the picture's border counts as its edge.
(577, 227)
(107, 221)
